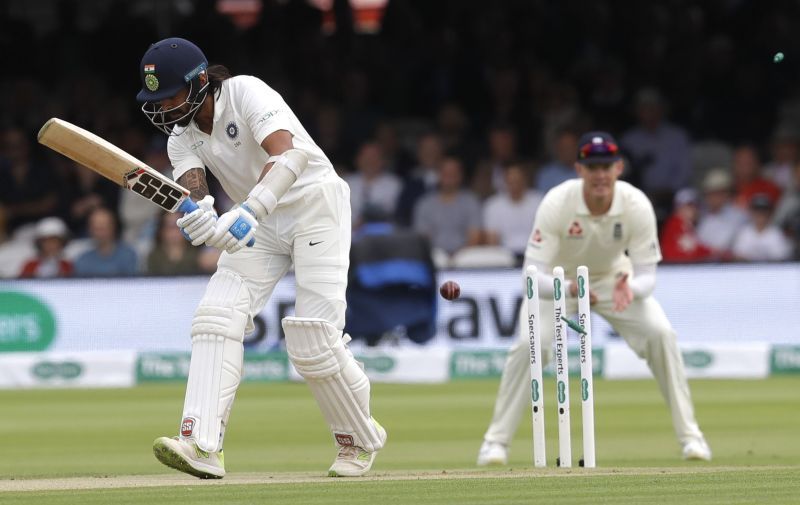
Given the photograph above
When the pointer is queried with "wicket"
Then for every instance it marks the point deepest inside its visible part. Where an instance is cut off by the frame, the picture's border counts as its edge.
(583, 327)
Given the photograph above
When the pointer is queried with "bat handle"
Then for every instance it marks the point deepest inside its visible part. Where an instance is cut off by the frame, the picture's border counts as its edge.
(188, 205)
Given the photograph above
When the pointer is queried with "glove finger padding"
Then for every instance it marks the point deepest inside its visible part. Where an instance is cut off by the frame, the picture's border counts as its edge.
(233, 230)
(190, 218)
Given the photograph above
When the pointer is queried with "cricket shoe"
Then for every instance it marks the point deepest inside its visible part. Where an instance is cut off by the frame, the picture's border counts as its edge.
(697, 449)
(353, 461)
(492, 454)
(184, 455)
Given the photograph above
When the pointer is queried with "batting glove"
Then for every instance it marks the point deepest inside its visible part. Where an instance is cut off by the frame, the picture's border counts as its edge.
(198, 225)
(234, 230)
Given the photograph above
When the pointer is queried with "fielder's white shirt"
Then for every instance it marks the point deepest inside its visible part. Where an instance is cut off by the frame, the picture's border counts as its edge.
(246, 111)
(566, 234)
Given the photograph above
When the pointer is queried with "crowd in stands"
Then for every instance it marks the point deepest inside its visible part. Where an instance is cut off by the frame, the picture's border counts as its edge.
(455, 120)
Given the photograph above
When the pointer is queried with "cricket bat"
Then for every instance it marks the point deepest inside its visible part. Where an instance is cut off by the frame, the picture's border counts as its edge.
(115, 164)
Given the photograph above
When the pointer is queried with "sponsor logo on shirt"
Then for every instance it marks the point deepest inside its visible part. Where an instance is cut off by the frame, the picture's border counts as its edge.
(267, 115)
(575, 230)
(197, 145)
(617, 231)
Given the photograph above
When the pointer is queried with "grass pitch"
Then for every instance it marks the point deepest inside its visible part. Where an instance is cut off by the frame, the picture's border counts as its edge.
(94, 446)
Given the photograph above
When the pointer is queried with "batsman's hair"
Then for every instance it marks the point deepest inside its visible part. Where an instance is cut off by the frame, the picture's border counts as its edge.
(217, 74)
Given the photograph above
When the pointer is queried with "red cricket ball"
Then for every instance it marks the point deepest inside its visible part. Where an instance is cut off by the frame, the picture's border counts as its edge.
(450, 290)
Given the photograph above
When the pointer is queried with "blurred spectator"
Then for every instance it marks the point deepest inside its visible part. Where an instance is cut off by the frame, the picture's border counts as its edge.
(489, 174)
(561, 166)
(451, 216)
(507, 216)
(140, 221)
(760, 240)
(328, 134)
(396, 159)
(748, 179)
(28, 191)
(172, 254)
(423, 178)
(453, 127)
(784, 156)
(720, 220)
(109, 256)
(371, 185)
(679, 239)
(787, 212)
(50, 239)
(658, 151)
(391, 289)
(83, 190)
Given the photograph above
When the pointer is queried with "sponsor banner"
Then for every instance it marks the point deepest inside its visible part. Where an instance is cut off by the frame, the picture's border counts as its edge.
(719, 361)
(155, 314)
(489, 363)
(67, 369)
(401, 364)
(164, 367)
(785, 359)
(26, 322)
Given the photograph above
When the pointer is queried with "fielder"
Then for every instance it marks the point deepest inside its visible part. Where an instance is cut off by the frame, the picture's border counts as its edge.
(594, 221)
(297, 210)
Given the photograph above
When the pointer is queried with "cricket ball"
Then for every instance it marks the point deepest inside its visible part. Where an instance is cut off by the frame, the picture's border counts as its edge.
(450, 290)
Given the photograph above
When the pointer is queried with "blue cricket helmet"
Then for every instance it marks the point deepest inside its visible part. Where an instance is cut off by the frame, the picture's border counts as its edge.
(167, 67)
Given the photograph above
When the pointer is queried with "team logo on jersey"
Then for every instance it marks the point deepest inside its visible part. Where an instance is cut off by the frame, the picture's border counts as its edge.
(537, 236)
(575, 230)
(617, 231)
(232, 130)
(151, 81)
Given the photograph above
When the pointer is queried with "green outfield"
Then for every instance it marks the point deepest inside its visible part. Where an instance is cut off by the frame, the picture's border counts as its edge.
(88, 447)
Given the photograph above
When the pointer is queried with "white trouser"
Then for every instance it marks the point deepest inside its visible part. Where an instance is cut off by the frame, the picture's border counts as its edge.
(320, 217)
(645, 328)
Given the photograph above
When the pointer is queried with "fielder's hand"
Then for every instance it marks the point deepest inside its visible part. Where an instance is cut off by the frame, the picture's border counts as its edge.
(623, 294)
(234, 230)
(198, 225)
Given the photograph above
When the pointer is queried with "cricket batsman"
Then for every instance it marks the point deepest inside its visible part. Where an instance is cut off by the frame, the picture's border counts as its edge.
(291, 208)
(609, 226)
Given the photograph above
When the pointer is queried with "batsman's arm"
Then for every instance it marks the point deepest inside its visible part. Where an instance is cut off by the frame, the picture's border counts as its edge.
(195, 181)
(278, 175)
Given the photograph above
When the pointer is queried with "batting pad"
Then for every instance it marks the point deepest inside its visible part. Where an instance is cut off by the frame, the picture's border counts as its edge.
(317, 351)
(215, 369)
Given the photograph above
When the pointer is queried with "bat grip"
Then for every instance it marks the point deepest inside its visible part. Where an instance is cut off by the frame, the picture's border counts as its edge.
(188, 205)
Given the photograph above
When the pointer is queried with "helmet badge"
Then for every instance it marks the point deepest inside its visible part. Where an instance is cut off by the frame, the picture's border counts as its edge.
(150, 80)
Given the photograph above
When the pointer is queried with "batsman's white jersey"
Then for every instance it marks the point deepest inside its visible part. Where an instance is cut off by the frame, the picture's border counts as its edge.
(566, 234)
(246, 111)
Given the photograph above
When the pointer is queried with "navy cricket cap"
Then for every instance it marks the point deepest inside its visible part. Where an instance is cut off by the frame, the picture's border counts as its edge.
(597, 147)
(167, 66)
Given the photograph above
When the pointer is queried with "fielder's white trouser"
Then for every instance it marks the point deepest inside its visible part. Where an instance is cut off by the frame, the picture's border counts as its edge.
(645, 328)
(313, 232)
